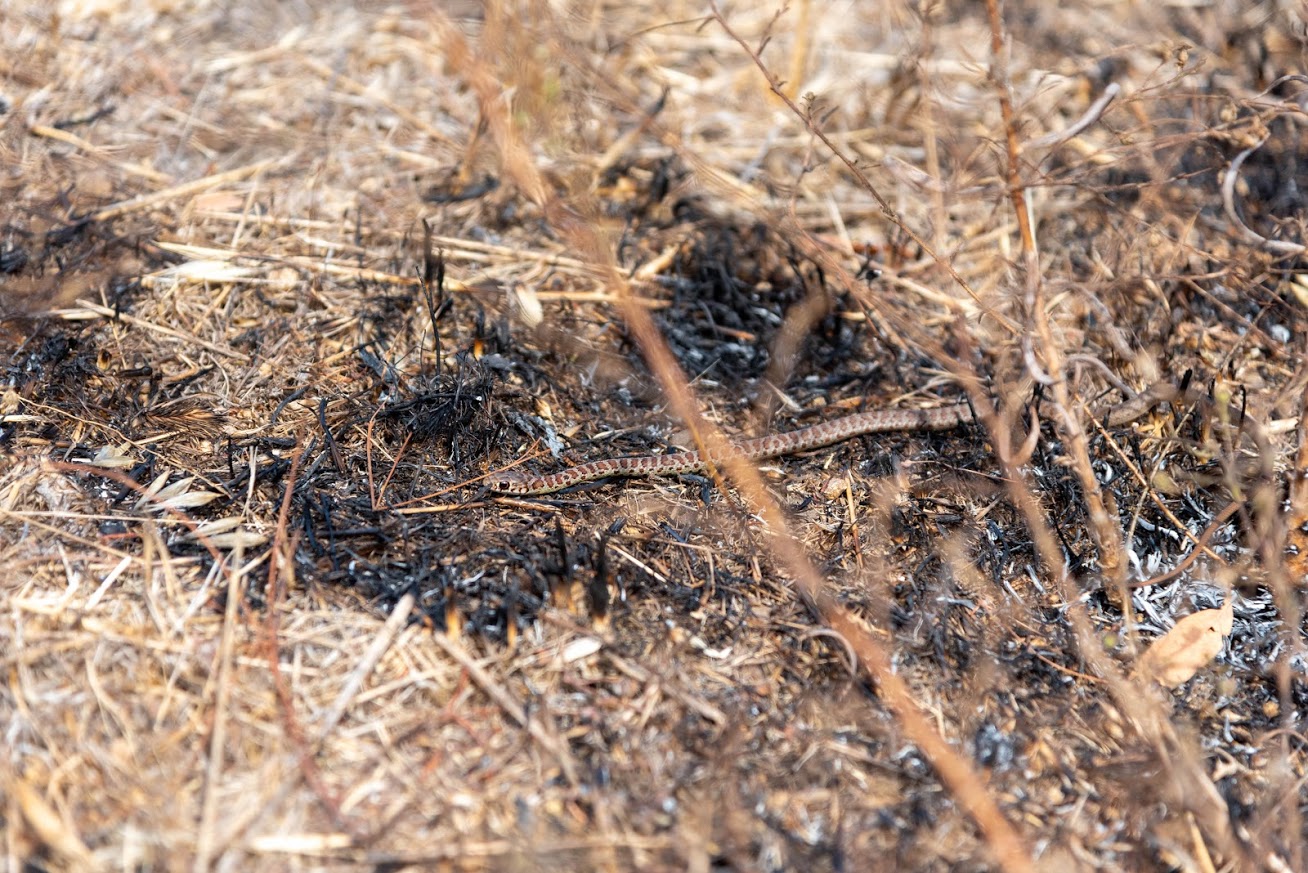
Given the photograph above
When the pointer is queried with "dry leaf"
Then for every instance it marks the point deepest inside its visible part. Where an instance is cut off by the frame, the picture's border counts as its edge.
(1186, 648)
(582, 647)
(528, 306)
(114, 457)
(210, 271)
(189, 500)
(159, 497)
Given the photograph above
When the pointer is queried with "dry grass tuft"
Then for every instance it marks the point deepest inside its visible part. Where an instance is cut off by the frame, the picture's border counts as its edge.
(280, 286)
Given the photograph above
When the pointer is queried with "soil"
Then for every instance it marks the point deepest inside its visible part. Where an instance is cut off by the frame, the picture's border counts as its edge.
(282, 284)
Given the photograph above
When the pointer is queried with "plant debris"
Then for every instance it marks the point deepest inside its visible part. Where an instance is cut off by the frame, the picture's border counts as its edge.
(281, 290)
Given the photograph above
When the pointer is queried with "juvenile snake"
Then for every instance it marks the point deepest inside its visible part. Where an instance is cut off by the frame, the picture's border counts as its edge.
(770, 446)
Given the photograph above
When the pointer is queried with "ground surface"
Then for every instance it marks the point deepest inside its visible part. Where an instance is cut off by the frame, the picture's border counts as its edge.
(281, 283)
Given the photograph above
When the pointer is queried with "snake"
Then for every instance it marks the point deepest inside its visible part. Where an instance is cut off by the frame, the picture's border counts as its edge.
(760, 448)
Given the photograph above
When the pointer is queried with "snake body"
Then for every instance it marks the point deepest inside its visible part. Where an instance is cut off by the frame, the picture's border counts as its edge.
(770, 446)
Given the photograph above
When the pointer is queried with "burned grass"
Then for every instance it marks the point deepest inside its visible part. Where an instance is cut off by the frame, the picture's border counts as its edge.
(277, 295)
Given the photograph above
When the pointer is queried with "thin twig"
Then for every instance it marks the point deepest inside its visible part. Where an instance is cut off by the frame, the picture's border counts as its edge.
(856, 171)
(1089, 117)
(1280, 247)
(515, 710)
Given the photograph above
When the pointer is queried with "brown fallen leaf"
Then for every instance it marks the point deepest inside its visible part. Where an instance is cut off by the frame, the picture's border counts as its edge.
(1192, 644)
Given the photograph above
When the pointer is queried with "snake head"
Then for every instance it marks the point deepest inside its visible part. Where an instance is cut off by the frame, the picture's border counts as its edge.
(503, 482)
(509, 482)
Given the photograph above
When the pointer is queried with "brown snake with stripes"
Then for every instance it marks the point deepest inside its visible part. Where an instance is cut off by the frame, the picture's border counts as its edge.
(770, 446)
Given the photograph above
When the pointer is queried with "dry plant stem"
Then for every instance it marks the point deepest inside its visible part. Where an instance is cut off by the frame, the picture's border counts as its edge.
(855, 537)
(1280, 247)
(1104, 528)
(999, 74)
(954, 770)
(280, 573)
(515, 710)
(1298, 490)
(186, 189)
(799, 52)
(931, 143)
(1018, 482)
(206, 840)
(1045, 543)
(395, 623)
(1089, 117)
(1200, 547)
(280, 564)
(855, 171)
(1019, 486)
(1271, 530)
(47, 827)
(1106, 532)
(1182, 761)
(89, 309)
(796, 326)
(92, 150)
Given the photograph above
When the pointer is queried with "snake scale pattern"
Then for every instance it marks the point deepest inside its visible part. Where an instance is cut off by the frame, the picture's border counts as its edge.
(770, 446)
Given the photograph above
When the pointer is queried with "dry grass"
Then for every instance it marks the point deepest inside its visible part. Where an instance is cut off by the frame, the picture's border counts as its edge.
(280, 284)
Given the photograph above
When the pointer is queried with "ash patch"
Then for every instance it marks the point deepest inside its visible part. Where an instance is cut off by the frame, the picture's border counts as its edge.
(732, 289)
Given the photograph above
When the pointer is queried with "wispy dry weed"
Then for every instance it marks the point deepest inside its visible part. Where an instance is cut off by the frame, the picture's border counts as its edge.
(281, 286)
